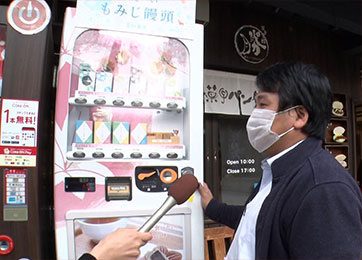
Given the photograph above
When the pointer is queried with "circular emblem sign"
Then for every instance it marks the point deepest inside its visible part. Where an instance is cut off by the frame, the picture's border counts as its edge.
(28, 16)
(251, 44)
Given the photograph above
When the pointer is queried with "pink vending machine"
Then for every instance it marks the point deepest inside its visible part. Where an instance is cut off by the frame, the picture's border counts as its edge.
(128, 124)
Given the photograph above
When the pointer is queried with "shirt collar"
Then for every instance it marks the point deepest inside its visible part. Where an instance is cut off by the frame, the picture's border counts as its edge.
(270, 160)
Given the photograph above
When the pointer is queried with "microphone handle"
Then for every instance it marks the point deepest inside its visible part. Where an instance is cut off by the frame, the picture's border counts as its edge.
(166, 206)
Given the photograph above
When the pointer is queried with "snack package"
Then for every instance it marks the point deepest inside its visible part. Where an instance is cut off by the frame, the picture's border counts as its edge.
(139, 134)
(104, 81)
(84, 132)
(102, 132)
(86, 77)
(120, 132)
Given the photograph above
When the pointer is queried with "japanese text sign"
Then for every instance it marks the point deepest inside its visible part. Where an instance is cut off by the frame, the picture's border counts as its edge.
(18, 134)
(150, 16)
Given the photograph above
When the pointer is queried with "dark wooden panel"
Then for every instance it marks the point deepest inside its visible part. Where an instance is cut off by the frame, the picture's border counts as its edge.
(28, 72)
(289, 39)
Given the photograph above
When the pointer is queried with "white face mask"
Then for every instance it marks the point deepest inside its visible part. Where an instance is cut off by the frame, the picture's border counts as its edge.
(258, 127)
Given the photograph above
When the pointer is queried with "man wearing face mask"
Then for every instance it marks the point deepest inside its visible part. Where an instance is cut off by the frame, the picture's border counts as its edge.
(306, 206)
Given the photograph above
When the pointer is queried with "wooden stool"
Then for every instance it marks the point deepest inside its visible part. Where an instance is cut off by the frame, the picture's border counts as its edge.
(219, 237)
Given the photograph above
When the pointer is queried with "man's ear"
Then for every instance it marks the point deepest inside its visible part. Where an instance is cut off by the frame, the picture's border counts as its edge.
(302, 117)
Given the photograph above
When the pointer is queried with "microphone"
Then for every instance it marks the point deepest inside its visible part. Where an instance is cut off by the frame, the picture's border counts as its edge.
(178, 193)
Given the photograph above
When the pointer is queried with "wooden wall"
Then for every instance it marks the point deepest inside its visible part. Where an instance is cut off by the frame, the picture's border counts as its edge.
(289, 38)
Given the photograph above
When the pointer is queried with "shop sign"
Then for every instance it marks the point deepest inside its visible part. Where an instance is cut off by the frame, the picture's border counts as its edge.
(229, 93)
(251, 44)
(151, 16)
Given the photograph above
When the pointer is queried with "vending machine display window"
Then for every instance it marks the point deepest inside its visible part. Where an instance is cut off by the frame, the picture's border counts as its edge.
(128, 121)
(128, 97)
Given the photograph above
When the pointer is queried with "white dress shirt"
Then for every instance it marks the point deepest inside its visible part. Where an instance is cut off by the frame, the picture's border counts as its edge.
(243, 245)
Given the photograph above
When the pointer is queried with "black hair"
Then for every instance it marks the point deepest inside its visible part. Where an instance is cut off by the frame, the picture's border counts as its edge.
(297, 83)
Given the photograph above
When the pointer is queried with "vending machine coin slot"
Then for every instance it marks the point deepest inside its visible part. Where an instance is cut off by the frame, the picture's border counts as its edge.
(155, 178)
(168, 175)
(118, 188)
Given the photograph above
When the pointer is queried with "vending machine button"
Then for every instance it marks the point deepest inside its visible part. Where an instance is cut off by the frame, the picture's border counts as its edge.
(172, 105)
(80, 100)
(155, 104)
(79, 154)
(154, 155)
(118, 102)
(172, 155)
(187, 170)
(117, 155)
(98, 155)
(136, 103)
(136, 155)
(99, 101)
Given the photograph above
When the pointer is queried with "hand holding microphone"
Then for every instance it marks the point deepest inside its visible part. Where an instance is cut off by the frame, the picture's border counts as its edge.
(178, 193)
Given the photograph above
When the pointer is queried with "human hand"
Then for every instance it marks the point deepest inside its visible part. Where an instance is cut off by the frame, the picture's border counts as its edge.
(206, 195)
(121, 244)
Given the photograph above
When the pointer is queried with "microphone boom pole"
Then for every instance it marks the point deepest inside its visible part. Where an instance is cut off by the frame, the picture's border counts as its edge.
(166, 206)
(178, 193)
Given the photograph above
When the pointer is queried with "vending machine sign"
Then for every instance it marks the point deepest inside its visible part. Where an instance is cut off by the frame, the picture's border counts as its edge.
(144, 16)
(18, 132)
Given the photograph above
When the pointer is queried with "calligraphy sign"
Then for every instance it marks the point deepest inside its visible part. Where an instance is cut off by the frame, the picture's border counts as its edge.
(228, 93)
(251, 44)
